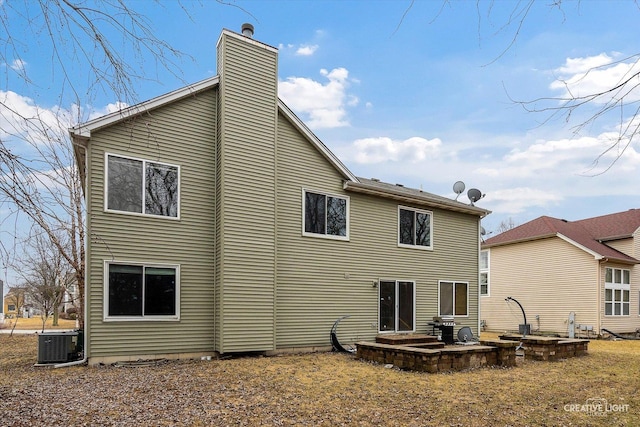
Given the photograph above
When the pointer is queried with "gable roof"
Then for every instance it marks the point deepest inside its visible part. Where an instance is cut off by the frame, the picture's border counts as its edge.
(81, 133)
(587, 234)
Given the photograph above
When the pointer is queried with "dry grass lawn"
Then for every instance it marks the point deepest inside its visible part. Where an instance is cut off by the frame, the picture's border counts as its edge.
(36, 323)
(317, 389)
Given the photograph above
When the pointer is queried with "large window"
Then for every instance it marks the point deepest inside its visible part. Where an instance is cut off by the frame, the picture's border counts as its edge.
(141, 291)
(141, 186)
(453, 298)
(414, 228)
(326, 215)
(616, 292)
(484, 272)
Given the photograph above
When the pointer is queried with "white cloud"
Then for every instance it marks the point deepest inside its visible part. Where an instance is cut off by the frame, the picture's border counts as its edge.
(20, 117)
(109, 108)
(306, 50)
(384, 149)
(518, 199)
(18, 65)
(323, 105)
(582, 65)
(580, 77)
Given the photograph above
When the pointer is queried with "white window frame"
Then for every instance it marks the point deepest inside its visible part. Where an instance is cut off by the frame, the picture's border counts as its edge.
(325, 235)
(440, 282)
(615, 286)
(487, 271)
(405, 245)
(143, 318)
(144, 187)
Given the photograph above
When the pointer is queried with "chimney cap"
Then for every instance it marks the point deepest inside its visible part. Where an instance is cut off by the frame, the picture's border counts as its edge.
(247, 30)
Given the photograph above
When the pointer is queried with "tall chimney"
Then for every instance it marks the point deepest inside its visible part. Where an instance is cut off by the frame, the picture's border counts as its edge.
(247, 30)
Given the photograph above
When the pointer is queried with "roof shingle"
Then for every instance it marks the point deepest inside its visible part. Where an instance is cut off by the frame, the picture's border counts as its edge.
(590, 233)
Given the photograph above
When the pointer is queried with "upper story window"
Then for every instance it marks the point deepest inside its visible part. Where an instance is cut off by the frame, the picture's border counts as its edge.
(142, 186)
(414, 228)
(326, 215)
(484, 272)
(616, 292)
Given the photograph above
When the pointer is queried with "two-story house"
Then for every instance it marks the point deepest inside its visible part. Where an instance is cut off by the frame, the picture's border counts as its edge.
(571, 277)
(217, 223)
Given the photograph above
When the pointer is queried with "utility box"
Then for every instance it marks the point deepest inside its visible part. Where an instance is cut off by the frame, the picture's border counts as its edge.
(57, 347)
(524, 329)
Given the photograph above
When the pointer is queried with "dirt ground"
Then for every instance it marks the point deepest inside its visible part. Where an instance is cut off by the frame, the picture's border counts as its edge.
(329, 389)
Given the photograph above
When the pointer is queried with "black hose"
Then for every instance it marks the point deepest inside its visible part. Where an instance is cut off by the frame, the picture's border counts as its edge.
(618, 335)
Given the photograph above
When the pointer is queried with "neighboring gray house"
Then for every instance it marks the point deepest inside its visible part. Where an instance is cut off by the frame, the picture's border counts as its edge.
(219, 223)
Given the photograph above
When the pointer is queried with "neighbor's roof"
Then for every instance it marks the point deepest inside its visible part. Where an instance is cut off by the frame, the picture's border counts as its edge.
(588, 234)
(410, 195)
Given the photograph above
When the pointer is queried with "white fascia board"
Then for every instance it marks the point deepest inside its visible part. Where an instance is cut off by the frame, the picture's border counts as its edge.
(299, 124)
(245, 39)
(84, 129)
(425, 200)
(596, 255)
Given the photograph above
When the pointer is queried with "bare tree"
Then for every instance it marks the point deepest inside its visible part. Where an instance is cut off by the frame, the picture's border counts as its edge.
(39, 181)
(16, 296)
(577, 107)
(45, 274)
(506, 225)
(47, 191)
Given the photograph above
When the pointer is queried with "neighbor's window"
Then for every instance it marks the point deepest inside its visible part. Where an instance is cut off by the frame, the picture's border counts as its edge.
(326, 215)
(142, 186)
(141, 291)
(414, 228)
(453, 297)
(484, 272)
(11, 307)
(616, 292)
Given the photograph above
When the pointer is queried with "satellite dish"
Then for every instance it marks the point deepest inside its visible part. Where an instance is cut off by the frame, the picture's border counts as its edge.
(474, 195)
(483, 232)
(458, 188)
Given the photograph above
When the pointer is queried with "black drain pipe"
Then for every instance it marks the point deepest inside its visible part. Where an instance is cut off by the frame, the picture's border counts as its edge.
(524, 330)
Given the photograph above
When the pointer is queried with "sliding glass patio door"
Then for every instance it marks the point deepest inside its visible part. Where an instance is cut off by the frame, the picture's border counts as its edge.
(396, 308)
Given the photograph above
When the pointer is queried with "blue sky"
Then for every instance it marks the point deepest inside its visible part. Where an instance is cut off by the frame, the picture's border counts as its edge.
(418, 93)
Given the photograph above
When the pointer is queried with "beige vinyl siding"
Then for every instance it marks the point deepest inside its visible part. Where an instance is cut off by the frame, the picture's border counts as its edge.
(623, 245)
(183, 134)
(622, 324)
(247, 167)
(549, 277)
(320, 280)
(631, 247)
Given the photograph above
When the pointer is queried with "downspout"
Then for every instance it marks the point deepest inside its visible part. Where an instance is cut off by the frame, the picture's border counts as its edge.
(86, 311)
(478, 271)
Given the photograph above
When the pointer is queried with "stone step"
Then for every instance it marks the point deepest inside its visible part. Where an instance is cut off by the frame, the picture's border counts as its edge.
(405, 339)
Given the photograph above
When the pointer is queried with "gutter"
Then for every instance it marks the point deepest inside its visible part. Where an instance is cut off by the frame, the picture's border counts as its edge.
(425, 200)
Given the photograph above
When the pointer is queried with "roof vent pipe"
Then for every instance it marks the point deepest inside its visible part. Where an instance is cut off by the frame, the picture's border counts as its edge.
(247, 30)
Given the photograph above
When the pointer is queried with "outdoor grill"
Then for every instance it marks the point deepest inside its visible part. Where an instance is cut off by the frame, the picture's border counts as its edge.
(445, 326)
